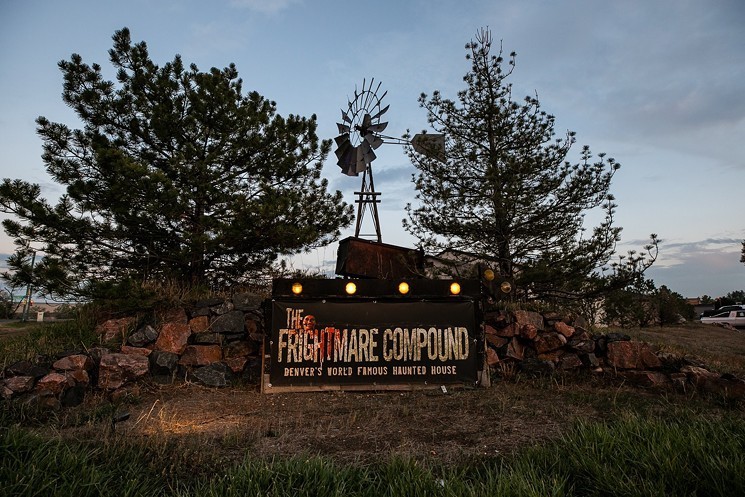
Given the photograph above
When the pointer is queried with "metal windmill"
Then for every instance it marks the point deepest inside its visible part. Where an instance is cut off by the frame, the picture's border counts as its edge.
(360, 134)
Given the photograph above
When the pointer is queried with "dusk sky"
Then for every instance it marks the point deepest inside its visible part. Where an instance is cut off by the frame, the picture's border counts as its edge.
(659, 85)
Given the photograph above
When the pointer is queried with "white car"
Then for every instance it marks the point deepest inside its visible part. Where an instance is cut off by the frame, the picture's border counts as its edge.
(733, 318)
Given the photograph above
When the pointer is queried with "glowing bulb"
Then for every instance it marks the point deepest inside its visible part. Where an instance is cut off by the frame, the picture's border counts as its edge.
(403, 288)
(488, 275)
(351, 288)
(506, 287)
(455, 288)
(297, 288)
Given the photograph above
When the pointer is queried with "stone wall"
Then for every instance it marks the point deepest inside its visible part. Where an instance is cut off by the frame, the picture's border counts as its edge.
(533, 343)
(215, 342)
(212, 342)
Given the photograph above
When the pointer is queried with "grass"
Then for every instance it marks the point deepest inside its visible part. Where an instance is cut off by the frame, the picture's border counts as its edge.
(719, 349)
(636, 445)
(45, 339)
(630, 456)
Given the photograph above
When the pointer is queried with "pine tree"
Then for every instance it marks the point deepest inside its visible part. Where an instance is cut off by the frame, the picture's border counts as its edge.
(508, 192)
(176, 175)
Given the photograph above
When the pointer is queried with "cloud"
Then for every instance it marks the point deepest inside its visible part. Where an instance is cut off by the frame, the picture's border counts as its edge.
(704, 267)
(269, 7)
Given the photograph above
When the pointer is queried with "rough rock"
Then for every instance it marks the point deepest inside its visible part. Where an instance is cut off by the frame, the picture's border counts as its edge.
(632, 355)
(200, 355)
(214, 375)
(75, 361)
(529, 317)
(144, 336)
(224, 308)
(19, 384)
(163, 363)
(26, 368)
(237, 364)
(5, 392)
(536, 367)
(53, 382)
(239, 349)
(496, 341)
(251, 324)
(507, 331)
(492, 358)
(528, 331)
(96, 353)
(117, 369)
(515, 349)
(207, 338)
(79, 377)
(569, 361)
(126, 349)
(546, 342)
(73, 396)
(199, 324)
(564, 329)
(231, 322)
(173, 337)
(114, 330)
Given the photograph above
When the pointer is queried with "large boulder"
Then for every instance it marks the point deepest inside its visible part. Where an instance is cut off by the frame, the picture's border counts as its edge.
(632, 355)
(230, 322)
(173, 337)
(214, 375)
(200, 355)
(163, 363)
(117, 369)
(529, 317)
(75, 361)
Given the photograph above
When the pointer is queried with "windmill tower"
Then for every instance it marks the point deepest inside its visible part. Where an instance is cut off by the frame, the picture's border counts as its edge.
(359, 137)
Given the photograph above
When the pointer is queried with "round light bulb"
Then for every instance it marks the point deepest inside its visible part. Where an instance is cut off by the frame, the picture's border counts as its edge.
(403, 288)
(506, 287)
(455, 288)
(297, 288)
(350, 288)
(489, 275)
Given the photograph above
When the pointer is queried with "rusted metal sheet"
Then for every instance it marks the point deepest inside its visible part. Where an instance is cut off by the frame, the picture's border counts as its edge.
(360, 258)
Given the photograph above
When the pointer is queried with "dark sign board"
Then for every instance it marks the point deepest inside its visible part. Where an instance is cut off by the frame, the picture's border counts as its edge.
(339, 343)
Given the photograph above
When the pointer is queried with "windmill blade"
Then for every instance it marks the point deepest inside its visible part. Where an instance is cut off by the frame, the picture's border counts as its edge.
(368, 155)
(373, 140)
(348, 170)
(343, 128)
(341, 139)
(366, 122)
(359, 161)
(377, 128)
(376, 116)
(360, 166)
(344, 150)
(345, 117)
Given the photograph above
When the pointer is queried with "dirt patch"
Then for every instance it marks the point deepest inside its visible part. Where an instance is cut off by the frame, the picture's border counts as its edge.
(453, 427)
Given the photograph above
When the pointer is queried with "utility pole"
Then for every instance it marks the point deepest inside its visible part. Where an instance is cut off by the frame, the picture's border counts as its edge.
(24, 317)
